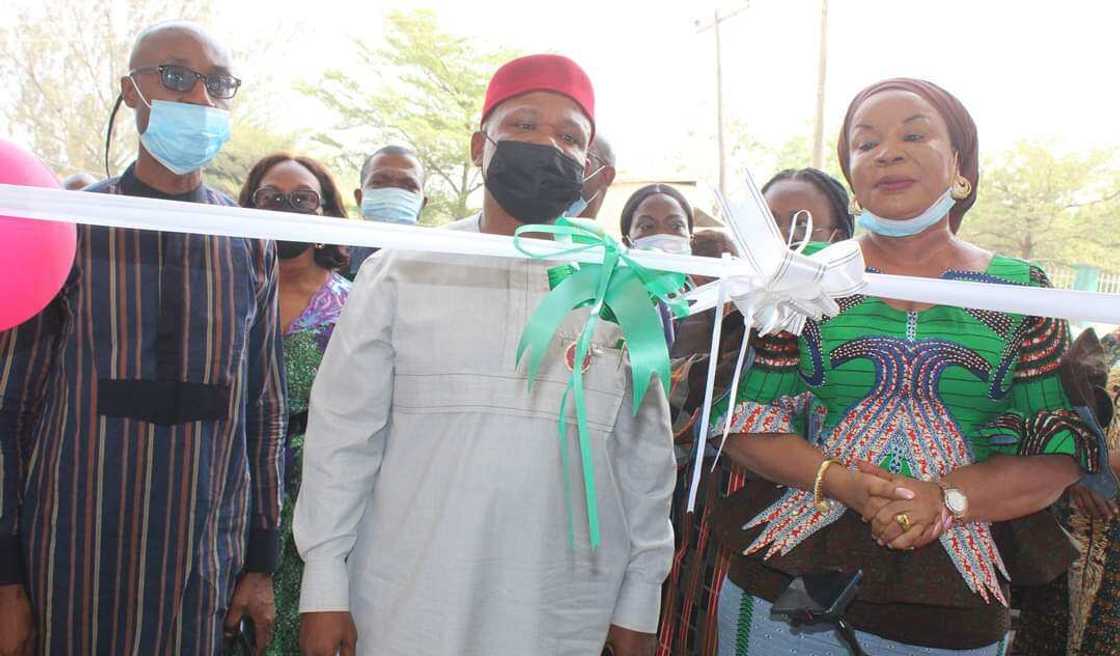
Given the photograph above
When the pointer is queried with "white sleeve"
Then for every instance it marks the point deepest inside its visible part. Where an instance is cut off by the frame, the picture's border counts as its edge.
(641, 455)
(347, 428)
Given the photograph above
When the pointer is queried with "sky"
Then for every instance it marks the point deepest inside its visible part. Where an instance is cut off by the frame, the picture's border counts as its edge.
(1026, 70)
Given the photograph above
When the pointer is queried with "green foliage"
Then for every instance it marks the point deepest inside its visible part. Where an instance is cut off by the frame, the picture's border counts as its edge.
(422, 88)
(1037, 204)
(60, 66)
(764, 159)
(61, 63)
(251, 138)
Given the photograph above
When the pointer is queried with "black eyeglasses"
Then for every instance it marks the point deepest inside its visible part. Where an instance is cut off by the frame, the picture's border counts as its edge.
(182, 80)
(306, 201)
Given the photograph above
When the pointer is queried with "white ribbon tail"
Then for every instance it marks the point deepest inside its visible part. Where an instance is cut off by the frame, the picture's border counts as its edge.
(748, 318)
(706, 411)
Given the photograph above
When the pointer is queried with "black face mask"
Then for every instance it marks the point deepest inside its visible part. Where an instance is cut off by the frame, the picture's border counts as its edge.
(533, 182)
(287, 250)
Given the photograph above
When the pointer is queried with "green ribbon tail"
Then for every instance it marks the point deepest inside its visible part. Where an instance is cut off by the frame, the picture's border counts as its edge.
(645, 336)
(576, 290)
(566, 467)
(585, 455)
(575, 383)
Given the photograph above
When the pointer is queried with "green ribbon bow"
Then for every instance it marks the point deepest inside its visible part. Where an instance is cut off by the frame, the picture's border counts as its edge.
(620, 294)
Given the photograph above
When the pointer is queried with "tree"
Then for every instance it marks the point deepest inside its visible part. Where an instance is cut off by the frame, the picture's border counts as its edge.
(423, 88)
(251, 140)
(1039, 205)
(61, 62)
(764, 159)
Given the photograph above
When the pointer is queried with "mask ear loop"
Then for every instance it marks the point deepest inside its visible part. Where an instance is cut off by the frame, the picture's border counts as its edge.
(793, 230)
(109, 132)
(139, 92)
(113, 117)
(587, 201)
(481, 170)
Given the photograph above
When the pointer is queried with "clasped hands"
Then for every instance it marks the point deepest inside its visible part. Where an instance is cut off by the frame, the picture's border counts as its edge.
(887, 502)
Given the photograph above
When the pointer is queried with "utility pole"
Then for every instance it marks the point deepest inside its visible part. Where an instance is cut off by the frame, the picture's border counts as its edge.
(719, 106)
(718, 18)
(822, 66)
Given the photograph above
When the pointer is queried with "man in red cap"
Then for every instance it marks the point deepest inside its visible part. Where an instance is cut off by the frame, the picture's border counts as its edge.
(432, 517)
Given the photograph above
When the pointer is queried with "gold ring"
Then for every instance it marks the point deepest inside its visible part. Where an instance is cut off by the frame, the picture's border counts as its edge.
(903, 520)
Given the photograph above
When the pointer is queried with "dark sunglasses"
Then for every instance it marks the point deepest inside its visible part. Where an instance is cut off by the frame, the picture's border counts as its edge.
(306, 201)
(182, 80)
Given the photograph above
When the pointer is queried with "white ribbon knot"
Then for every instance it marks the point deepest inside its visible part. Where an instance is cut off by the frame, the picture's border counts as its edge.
(784, 290)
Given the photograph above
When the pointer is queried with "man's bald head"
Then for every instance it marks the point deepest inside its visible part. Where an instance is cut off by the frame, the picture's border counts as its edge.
(153, 44)
(179, 43)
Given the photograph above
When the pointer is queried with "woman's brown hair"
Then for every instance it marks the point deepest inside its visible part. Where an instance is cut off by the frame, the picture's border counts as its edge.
(329, 256)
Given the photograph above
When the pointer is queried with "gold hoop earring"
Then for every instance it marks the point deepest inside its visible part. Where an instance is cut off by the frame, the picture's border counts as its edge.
(854, 208)
(962, 188)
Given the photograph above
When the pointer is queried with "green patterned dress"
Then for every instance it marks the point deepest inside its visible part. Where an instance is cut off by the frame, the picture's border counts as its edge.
(919, 393)
(304, 343)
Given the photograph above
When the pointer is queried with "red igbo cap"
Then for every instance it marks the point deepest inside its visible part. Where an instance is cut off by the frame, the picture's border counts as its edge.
(554, 73)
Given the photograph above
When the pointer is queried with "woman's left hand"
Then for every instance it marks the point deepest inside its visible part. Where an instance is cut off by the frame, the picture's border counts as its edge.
(926, 512)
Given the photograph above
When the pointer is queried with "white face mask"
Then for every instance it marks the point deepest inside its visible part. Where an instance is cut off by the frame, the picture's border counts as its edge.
(673, 244)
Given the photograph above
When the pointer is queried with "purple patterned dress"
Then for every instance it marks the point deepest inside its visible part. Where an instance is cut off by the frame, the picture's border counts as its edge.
(305, 341)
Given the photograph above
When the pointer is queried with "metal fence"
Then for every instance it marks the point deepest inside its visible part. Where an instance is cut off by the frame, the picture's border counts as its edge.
(1087, 278)
(1110, 283)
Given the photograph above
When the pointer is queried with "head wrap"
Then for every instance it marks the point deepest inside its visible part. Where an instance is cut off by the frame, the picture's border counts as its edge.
(962, 133)
(554, 73)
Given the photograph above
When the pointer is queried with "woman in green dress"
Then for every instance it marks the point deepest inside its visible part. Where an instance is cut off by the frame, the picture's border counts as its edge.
(312, 294)
(930, 424)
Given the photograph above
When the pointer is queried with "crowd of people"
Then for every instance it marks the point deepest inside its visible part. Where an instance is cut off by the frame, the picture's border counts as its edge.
(212, 444)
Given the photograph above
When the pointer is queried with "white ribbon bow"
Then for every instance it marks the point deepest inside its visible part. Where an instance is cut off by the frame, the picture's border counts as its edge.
(804, 287)
(786, 289)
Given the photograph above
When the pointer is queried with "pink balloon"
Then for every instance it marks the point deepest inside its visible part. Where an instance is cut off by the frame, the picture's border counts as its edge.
(35, 256)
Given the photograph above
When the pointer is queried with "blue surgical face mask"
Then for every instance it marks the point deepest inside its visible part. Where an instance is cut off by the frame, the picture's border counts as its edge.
(182, 136)
(391, 205)
(577, 207)
(908, 227)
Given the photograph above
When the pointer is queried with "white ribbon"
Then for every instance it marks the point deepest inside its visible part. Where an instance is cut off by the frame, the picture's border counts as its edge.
(118, 211)
(774, 287)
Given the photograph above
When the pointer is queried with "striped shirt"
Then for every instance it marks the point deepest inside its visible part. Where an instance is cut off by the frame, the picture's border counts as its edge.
(142, 418)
